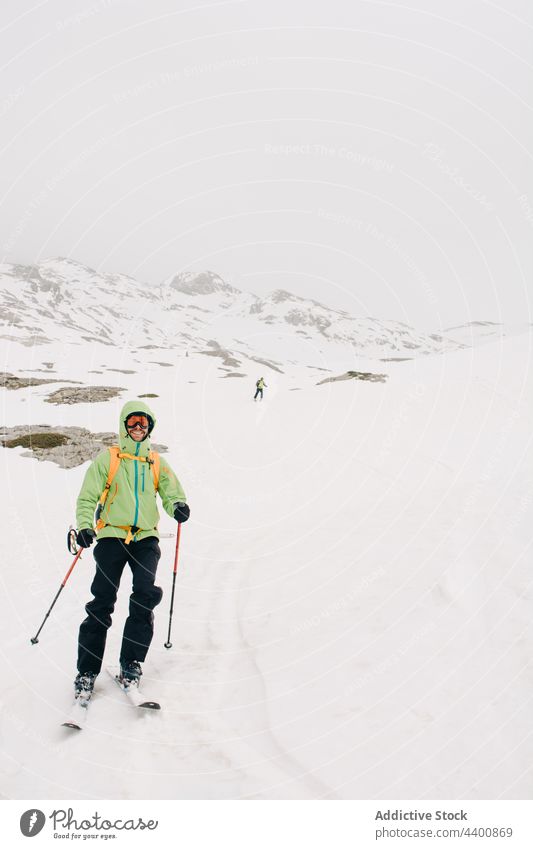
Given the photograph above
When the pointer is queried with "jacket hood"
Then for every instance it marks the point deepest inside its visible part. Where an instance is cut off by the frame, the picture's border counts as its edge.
(128, 444)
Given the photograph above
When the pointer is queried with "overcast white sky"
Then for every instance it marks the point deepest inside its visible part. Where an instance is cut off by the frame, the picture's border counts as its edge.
(373, 155)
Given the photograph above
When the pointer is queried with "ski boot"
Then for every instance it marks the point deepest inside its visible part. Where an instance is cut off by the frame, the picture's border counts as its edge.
(130, 673)
(84, 686)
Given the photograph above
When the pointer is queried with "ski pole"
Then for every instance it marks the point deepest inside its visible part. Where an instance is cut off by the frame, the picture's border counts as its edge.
(64, 581)
(168, 644)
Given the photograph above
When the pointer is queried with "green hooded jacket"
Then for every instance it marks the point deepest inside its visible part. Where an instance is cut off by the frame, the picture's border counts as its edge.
(132, 497)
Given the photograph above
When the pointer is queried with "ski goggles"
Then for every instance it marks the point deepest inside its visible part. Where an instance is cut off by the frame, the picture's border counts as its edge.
(137, 419)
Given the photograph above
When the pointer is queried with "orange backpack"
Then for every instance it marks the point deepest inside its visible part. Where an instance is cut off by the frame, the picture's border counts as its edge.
(116, 455)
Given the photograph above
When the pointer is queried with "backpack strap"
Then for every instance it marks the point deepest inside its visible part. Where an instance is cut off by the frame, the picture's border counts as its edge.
(114, 463)
(115, 456)
(155, 464)
(152, 460)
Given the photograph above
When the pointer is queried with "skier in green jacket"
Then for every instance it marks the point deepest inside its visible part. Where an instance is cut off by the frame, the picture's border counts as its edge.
(259, 386)
(126, 533)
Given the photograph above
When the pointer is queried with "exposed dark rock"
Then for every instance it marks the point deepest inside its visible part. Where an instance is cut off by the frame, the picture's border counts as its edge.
(226, 356)
(10, 381)
(201, 283)
(84, 394)
(268, 363)
(36, 440)
(356, 375)
(68, 447)
(30, 341)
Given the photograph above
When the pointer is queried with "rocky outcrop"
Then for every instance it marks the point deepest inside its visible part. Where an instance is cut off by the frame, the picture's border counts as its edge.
(68, 447)
(356, 375)
(84, 394)
(11, 381)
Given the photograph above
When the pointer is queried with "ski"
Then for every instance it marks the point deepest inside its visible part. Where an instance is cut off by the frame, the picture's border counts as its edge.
(78, 715)
(133, 693)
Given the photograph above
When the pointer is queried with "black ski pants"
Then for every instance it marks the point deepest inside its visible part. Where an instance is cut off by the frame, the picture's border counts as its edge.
(258, 392)
(111, 556)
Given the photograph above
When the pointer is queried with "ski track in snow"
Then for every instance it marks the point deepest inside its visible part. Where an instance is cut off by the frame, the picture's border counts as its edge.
(276, 767)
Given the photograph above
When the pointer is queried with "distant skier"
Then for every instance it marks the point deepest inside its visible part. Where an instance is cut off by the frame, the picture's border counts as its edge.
(259, 386)
(121, 484)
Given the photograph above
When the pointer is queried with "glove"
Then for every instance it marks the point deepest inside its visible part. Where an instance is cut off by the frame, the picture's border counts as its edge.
(181, 511)
(85, 538)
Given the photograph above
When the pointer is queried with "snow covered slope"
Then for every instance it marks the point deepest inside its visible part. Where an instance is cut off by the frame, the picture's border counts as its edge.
(353, 612)
(476, 332)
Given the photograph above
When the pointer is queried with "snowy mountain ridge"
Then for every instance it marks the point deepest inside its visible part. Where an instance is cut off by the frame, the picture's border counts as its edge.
(62, 300)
